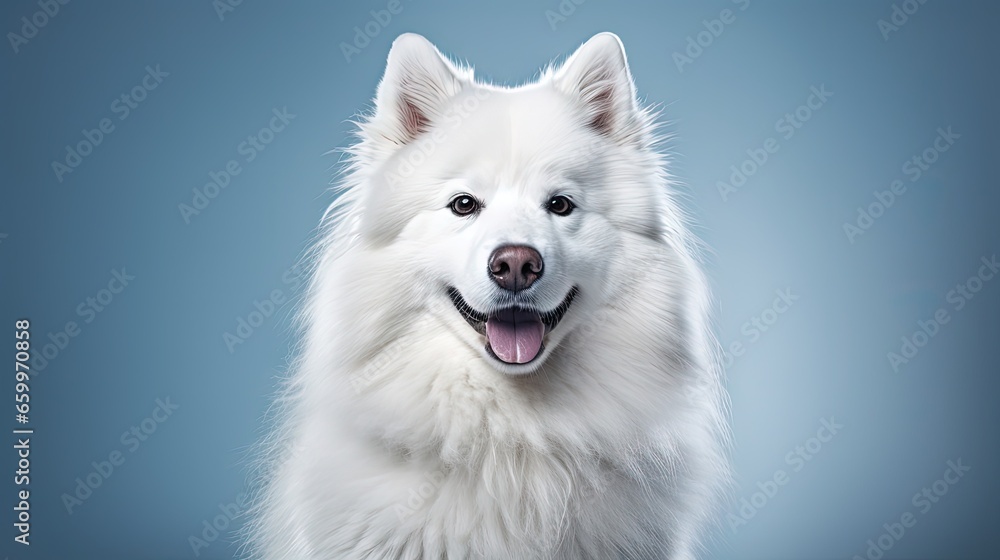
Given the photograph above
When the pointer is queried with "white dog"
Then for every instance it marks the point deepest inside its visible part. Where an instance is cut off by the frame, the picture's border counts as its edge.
(506, 352)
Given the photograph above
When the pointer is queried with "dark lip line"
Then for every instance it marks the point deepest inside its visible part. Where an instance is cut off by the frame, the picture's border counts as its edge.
(477, 319)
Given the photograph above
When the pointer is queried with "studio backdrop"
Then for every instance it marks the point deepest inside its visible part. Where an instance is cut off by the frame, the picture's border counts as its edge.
(165, 165)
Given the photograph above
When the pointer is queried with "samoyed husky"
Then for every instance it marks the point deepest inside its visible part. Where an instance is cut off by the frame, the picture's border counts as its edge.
(506, 351)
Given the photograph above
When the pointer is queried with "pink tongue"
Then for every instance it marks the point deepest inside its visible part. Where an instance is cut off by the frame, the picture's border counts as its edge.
(515, 336)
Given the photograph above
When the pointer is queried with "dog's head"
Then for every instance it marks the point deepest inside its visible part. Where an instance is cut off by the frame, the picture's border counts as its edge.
(512, 203)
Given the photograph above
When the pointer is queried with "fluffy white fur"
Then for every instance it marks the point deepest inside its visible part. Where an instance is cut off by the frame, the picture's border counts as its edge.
(399, 437)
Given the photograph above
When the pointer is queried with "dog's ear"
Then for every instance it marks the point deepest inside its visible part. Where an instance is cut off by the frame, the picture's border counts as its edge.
(417, 82)
(597, 74)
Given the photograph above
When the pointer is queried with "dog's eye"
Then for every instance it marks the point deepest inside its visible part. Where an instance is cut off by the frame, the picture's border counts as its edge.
(560, 205)
(464, 205)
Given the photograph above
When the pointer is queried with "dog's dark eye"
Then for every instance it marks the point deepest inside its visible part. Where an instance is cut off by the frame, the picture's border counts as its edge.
(464, 205)
(560, 205)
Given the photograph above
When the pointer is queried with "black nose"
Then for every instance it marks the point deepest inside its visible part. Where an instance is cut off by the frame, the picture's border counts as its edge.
(515, 267)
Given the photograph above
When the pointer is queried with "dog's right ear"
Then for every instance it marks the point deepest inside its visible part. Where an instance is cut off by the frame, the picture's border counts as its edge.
(597, 75)
(418, 81)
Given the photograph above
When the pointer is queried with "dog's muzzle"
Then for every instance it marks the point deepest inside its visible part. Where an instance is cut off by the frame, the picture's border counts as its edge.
(514, 335)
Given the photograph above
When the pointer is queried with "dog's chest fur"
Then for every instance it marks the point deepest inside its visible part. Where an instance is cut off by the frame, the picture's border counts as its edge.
(509, 503)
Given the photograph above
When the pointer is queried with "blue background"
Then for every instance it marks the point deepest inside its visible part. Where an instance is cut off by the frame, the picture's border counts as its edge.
(162, 336)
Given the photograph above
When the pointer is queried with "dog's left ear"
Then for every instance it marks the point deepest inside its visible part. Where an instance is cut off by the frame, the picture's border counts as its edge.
(597, 74)
(418, 81)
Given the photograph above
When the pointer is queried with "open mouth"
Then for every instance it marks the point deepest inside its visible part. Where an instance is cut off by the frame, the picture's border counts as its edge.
(513, 334)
